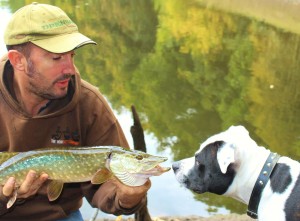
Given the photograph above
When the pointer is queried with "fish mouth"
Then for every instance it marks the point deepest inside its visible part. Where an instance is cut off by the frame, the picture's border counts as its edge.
(155, 171)
(156, 160)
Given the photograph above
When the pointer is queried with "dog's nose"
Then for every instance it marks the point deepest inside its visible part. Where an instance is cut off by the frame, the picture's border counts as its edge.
(175, 166)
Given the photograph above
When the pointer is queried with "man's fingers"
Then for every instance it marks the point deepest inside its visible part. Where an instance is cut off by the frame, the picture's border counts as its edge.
(130, 196)
(39, 182)
(9, 187)
(27, 184)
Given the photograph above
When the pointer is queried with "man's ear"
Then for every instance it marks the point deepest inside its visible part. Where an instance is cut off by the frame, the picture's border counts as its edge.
(17, 60)
(225, 156)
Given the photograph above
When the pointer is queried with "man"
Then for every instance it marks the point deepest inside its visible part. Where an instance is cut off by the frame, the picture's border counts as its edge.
(44, 103)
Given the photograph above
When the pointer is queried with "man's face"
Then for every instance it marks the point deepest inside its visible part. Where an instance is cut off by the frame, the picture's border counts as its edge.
(49, 73)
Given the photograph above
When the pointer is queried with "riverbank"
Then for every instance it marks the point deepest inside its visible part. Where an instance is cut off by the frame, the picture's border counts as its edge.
(231, 217)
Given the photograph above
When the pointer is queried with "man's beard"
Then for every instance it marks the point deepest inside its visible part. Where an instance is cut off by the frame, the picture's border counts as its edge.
(39, 89)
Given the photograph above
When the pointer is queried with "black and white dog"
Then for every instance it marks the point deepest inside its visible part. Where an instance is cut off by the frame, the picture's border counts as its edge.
(232, 164)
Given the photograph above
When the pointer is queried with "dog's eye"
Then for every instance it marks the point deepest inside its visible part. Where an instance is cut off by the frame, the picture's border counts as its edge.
(201, 168)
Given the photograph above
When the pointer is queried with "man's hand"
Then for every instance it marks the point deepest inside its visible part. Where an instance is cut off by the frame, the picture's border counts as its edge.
(28, 188)
(130, 196)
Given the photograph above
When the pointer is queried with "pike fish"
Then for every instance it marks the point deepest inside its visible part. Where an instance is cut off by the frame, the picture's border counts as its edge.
(69, 164)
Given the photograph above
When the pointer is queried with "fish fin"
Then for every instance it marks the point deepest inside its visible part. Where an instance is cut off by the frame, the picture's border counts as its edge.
(12, 199)
(101, 176)
(54, 189)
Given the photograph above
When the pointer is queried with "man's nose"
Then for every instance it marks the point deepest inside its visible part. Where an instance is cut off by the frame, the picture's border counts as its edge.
(69, 66)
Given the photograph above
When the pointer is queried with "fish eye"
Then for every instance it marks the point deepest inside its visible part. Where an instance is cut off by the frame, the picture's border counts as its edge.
(139, 157)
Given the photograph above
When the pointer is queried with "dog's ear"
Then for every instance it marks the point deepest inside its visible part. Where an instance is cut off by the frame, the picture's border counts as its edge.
(225, 156)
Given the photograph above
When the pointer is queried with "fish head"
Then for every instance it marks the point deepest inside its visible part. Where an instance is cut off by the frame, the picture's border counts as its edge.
(133, 168)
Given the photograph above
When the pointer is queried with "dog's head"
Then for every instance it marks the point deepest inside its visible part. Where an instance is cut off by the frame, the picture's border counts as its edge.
(214, 165)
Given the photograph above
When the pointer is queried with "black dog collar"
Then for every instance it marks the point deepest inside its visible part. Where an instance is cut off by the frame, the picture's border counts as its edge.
(261, 183)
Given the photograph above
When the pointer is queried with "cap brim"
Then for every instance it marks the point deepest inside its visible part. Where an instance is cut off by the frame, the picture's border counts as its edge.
(63, 43)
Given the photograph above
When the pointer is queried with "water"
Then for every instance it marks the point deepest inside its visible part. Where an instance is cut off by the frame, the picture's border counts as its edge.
(192, 71)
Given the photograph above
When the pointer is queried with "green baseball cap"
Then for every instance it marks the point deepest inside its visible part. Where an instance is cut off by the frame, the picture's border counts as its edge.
(46, 26)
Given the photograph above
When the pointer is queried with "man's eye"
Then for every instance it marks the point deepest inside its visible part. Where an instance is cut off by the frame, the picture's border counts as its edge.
(56, 58)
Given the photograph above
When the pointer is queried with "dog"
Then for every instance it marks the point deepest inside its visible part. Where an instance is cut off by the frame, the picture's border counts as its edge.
(232, 164)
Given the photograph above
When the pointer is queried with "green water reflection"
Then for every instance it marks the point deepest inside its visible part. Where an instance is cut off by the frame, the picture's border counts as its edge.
(192, 71)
